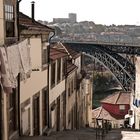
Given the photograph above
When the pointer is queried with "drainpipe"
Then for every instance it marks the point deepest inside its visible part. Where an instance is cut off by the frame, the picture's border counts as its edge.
(49, 125)
(18, 78)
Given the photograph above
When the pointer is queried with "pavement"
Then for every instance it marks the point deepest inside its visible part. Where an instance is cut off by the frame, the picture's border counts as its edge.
(130, 135)
(87, 134)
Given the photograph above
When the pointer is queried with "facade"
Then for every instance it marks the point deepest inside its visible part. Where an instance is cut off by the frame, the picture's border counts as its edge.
(78, 90)
(40, 93)
(57, 93)
(34, 89)
(24, 102)
(71, 74)
(135, 98)
(88, 91)
(114, 108)
(8, 35)
(117, 104)
(72, 18)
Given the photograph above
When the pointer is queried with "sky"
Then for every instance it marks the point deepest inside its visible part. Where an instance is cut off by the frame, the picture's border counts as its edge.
(106, 12)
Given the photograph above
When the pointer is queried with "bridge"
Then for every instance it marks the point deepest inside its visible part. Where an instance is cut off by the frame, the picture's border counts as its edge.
(117, 58)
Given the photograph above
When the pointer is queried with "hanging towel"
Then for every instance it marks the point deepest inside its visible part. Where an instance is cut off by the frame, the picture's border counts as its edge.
(4, 72)
(24, 50)
(14, 63)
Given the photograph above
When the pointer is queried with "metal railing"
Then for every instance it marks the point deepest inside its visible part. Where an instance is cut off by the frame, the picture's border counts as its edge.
(102, 128)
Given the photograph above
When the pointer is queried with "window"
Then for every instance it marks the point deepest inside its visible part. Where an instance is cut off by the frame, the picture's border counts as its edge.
(58, 70)
(53, 74)
(45, 106)
(69, 117)
(25, 115)
(69, 90)
(64, 68)
(12, 112)
(72, 87)
(44, 56)
(9, 12)
(122, 107)
(9, 17)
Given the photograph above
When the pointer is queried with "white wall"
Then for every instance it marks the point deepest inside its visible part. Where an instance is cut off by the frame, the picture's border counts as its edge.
(78, 63)
(137, 92)
(56, 91)
(37, 81)
(58, 88)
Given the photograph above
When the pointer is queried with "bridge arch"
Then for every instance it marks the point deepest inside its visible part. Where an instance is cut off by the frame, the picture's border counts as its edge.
(121, 68)
(121, 75)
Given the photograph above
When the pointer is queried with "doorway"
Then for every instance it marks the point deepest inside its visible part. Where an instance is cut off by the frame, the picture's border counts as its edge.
(36, 113)
(58, 114)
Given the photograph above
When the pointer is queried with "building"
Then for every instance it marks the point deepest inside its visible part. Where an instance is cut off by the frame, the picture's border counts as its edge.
(25, 106)
(135, 98)
(34, 103)
(8, 35)
(88, 81)
(77, 97)
(71, 19)
(57, 93)
(114, 108)
(39, 86)
(71, 108)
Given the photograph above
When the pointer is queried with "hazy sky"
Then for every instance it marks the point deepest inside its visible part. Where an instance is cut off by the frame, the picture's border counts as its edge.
(100, 11)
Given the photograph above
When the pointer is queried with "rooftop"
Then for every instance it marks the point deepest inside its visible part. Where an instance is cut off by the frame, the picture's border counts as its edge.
(101, 113)
(27, 23)
(117, 98)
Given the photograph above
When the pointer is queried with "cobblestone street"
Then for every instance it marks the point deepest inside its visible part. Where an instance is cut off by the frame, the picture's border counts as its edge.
(83, 134)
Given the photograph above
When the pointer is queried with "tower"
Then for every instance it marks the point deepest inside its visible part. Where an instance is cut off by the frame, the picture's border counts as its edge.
(72, 17)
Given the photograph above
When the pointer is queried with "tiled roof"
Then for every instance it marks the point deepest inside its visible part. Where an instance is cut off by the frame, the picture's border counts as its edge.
(101, 113)
(70, 68)
(72, 54)
(56, 53)
(117, 98)
(27, 22)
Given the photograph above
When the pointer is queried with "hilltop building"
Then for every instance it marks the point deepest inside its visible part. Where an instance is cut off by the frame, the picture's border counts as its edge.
(71, 19)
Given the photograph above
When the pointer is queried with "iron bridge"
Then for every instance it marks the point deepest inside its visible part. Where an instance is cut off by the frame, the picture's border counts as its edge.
(112, 57)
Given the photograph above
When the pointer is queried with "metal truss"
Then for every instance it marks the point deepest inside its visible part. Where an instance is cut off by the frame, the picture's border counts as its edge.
(121, 68)
(114, 67)
(122, 48)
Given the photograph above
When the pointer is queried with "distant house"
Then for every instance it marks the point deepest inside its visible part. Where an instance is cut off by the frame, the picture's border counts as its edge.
(113, 108)
(117, 104)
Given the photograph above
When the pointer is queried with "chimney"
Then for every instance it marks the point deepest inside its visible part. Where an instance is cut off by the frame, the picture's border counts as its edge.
(33, 10)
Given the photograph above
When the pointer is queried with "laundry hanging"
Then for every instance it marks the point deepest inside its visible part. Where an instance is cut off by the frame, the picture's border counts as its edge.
(4, 72)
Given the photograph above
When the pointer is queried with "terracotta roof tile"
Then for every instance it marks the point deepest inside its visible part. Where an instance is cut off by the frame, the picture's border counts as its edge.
(70, 67)
(55, 54)
(26, 21)
(117, 98)
(72, 53)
